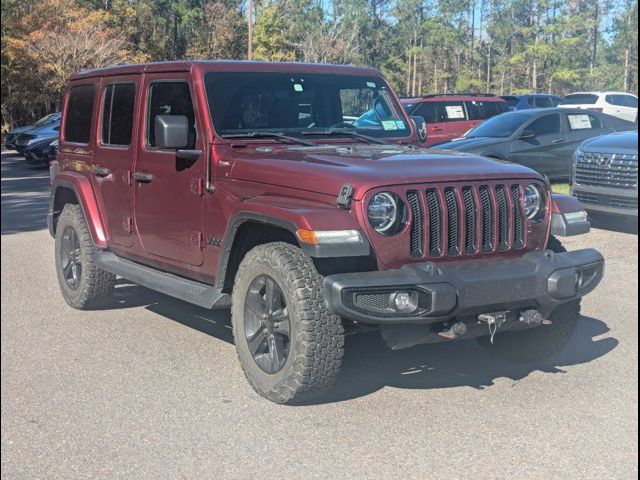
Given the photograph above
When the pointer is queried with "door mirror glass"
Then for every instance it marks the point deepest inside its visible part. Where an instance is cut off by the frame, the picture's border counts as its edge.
(171, 131)
(421, 127)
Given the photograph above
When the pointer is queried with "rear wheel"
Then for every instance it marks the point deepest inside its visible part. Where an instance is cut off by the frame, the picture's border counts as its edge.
(540, 342)
(82, 283)
(289, 345)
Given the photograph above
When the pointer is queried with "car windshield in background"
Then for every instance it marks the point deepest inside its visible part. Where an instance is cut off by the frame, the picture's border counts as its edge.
(300, 104)
(502, 126)
(44, 120)
(580, 99)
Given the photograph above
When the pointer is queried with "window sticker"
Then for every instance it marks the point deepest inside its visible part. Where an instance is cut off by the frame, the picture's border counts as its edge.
(389, 125)
(371, 84)
(455, 112)
(298, 87)
(580, 122)
(401, 125)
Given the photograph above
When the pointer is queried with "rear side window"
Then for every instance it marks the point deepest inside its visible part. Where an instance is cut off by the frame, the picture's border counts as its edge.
(584, 121)
(631, 101)
(79, 114)
(543, 102)
(547, 125)
(617, 100)
(170, 98)
(511, 101)
(580, 99)
(429, 111)
(117, 114)
(484, 110)
(451, 112)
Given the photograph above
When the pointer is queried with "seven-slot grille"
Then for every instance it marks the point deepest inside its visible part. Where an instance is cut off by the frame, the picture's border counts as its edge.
(607, 170)
(465, 220)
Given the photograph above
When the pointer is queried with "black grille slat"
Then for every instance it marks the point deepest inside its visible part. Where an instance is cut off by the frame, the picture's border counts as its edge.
(453, 221)
(487, 219)
(471, 219)
(416, 234)
(435, 223)
(503, 218)
(607, 170)
(518, 223)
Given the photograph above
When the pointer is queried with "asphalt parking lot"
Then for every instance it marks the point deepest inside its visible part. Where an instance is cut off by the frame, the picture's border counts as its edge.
(150, 387)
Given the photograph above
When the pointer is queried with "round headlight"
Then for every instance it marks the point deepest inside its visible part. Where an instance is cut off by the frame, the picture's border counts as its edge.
(385, 213)
(533, 202)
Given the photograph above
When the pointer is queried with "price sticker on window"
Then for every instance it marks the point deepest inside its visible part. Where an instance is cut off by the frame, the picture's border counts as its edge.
(455, 112)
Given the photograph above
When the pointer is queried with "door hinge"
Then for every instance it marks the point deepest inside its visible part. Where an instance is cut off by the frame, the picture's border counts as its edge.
(197, 240)
(197, 186)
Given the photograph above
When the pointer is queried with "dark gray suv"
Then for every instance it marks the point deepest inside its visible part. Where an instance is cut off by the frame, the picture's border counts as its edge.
(605, 174)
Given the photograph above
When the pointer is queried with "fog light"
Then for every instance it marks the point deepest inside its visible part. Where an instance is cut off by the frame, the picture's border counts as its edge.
(405, 302)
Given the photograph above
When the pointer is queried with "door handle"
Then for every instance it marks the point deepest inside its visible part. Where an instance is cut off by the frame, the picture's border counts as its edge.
(142, 177)
(558, 140)
(101, 171)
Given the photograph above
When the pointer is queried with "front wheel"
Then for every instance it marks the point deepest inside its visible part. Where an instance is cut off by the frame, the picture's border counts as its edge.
(540, 342)
(289, 345)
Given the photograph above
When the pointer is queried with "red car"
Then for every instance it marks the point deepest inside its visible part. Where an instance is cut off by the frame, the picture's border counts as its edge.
(294, 194)
(451, 116)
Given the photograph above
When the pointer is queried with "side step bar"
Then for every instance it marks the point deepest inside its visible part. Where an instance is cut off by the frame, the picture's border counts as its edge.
(190, 291)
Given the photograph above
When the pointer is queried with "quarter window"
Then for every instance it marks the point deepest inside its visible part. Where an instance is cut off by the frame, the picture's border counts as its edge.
(79, 114)
(170, 98)
(117, 114)
(543, 102)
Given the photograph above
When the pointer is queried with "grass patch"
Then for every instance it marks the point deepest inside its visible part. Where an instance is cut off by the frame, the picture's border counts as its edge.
(561, 188)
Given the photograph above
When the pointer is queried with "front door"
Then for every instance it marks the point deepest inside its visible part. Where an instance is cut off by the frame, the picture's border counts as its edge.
(114, 156)
(168, 200)
(546, 151)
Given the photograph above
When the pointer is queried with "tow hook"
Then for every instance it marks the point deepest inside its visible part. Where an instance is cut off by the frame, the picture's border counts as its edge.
(494, 321)
(533, 318)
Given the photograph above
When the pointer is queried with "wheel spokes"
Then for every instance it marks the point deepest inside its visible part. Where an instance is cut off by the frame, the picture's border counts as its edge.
(276, 352)
(257, 341)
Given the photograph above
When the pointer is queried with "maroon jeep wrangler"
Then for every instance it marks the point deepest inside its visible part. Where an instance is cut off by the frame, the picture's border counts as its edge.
(295, 194)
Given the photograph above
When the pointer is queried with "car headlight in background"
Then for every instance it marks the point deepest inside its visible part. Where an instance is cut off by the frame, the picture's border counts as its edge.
(533, 202)
(386, 213)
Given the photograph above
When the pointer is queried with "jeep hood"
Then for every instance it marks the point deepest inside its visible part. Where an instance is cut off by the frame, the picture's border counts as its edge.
(324, 169)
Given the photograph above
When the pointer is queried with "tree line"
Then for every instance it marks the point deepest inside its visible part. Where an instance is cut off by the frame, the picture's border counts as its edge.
(498, 46)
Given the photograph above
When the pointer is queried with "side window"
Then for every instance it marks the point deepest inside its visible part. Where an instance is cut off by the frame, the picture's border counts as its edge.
(584, 121)
(170, 98)
(547, 125)
(616, 100)
(452, 112)
(484, 110)
(543, 102)
(117, 114)
(428, 110)
(79, 114)
(630, 101)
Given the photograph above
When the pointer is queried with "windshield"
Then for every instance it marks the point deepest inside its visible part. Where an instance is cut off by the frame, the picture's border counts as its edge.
(301, 104)
(580, 99)
(44, 120)
(502, 126)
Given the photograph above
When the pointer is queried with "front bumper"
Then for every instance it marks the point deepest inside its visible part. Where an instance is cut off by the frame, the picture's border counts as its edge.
(537, 280)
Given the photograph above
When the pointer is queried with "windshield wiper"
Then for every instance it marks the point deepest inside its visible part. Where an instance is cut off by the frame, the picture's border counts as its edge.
(278, 136)
(344, 131)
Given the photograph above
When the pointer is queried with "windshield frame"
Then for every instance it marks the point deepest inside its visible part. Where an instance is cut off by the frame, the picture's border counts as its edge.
(391, 97)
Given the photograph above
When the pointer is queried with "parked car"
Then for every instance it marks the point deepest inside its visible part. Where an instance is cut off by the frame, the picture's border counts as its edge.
(41, 152)
(12, 135)
(36, 135)
(531, 100)
(451, 116)
(308, 226)
(542, 139)
(617, 104)
(605, 174)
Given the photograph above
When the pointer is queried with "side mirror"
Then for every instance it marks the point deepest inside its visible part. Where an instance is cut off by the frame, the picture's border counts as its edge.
(421, 127)
(528, 135)
(171, 131)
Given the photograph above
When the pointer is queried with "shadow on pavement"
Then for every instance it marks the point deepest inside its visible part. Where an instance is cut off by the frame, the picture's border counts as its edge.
(614, 224)
(369, 365)
(25, 195)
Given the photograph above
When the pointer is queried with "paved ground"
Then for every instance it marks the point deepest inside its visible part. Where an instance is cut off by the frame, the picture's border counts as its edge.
(150, 387)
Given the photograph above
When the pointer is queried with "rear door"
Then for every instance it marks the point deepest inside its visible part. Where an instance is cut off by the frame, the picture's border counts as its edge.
(547, 151)
(167, 191)
(623, 106)
(115, 154)
(451, 122)
(582, 126)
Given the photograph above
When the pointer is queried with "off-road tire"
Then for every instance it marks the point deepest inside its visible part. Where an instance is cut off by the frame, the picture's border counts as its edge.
(316, 341)
(95, 285)
(540, 342)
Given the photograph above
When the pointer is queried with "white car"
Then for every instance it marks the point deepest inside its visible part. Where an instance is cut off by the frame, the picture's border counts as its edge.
(617, 104)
